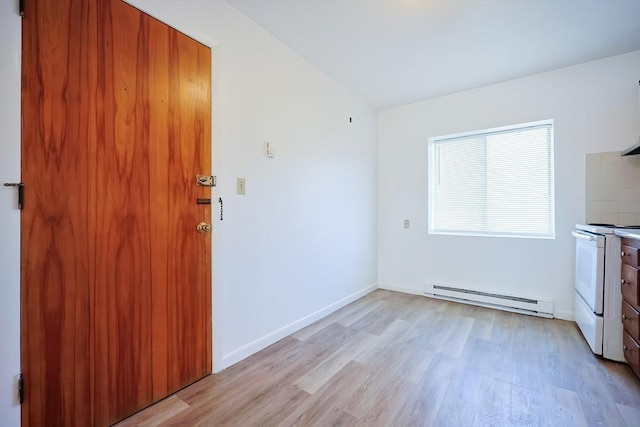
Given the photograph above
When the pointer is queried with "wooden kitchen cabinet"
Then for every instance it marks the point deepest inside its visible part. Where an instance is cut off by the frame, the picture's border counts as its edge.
(629, 255)
(631, 302)
(629, 282)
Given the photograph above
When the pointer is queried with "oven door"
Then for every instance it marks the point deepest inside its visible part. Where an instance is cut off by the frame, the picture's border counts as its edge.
(589, 277)
(590, 324)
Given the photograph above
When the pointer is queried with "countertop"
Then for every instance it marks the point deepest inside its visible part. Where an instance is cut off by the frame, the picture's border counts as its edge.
(629, 234)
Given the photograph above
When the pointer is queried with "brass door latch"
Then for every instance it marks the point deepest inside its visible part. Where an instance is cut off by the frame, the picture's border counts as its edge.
(206, 180)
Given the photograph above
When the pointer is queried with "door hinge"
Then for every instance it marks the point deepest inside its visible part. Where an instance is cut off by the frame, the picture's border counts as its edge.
(206, 180)
(20, 389)
(21, 8)
(20, 186)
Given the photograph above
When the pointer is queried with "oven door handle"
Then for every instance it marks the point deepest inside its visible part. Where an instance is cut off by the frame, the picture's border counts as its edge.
(583, 236)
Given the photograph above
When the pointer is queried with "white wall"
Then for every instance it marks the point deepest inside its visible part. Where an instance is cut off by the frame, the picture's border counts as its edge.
(301, 243)
(595, 108)
(10, 25)
(303, 238)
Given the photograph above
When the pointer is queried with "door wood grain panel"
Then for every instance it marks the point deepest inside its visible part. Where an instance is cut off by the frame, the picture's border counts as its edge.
(55, 270)
(120, 218)
(188, 59)
(116, 282)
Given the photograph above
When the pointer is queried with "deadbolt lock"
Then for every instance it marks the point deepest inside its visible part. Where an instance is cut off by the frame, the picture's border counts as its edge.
(206, 180)
(203, 227)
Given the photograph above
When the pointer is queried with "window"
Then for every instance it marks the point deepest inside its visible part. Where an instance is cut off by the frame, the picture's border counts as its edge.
(496, 182)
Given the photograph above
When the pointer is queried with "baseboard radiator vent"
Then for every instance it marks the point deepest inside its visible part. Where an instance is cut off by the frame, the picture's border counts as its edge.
(512, 303)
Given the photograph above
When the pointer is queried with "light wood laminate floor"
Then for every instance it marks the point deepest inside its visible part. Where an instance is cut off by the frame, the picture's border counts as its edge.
(391, 359)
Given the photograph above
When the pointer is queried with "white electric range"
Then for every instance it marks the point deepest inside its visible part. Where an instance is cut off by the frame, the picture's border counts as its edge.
(598, 300)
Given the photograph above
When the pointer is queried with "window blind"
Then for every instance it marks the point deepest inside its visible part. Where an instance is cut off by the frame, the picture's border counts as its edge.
(497, 182)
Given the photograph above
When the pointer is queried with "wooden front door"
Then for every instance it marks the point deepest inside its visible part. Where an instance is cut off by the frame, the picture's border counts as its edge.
(116, 281)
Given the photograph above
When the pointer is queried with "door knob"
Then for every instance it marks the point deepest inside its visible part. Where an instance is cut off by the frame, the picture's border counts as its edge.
(203, 227)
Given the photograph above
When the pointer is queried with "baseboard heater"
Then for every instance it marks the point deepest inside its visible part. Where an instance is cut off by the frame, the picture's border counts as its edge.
(534, 307)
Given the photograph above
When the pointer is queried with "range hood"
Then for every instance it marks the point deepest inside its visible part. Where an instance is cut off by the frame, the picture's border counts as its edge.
(634, 149)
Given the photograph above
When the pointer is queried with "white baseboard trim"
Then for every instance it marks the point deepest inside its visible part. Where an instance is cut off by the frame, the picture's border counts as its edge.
(253, 347)
(564, 315)
(402, 289)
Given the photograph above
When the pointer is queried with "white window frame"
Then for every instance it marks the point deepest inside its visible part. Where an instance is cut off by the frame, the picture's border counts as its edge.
(432, 179)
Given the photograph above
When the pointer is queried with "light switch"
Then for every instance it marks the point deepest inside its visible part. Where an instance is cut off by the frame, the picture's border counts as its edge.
(407, 223)
(269, 149)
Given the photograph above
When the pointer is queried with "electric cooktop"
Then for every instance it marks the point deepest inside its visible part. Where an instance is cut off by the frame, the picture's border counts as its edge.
(613, 225)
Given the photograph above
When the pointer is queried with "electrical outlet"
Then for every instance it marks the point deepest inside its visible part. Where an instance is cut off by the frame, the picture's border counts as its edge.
(241, 186)
(407, 223)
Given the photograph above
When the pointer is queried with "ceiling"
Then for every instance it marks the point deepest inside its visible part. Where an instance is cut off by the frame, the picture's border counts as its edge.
(396, 52)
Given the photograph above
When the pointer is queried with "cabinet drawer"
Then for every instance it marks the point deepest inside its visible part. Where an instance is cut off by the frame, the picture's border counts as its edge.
(629, 255)
(630, 318)
(629, 285)
(631, 242)
(631, 352)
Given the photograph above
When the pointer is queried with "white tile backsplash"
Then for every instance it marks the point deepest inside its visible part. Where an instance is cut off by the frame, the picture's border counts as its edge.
(610, 218)
(603, 206)
(593, 169)
(629, 206)
(594, 161)
(629, 194)
(612, 188)
(629, 172)
(610, 175)
(629, 218)
(608, 193)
